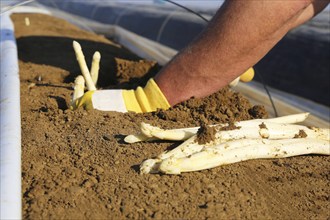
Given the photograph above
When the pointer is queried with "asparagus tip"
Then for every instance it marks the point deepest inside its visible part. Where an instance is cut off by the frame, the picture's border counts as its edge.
(97, 55)
(76, 45)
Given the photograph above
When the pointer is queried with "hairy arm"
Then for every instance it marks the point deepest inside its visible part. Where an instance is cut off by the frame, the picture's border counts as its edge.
(238, 36)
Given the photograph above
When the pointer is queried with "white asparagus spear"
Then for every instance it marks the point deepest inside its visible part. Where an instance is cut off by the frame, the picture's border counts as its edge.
(234, 82)
(27, 21)
(289, 119)
(160, 134)
(272, 131)
(185, 149)
(268, 131)
(134, 138)
(138, 138)
(83, 66)
(150, 166)
(95, 67)
(151, 133)
(79, 86)
(171, 134)
(185, 133)
(260, 150)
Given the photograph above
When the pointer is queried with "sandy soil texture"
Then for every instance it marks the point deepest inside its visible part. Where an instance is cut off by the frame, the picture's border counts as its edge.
(75, 164)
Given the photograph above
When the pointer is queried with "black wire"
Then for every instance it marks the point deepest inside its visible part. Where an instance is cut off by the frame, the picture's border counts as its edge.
(267, 91)
(188, 9)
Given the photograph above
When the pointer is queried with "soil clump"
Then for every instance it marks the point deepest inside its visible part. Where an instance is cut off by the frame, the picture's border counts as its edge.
(206, 134)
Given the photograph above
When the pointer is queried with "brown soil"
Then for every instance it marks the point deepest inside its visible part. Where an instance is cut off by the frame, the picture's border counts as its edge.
(206, 134)
(75, 164)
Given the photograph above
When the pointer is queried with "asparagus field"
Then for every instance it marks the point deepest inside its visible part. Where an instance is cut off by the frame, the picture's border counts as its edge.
(77, 164)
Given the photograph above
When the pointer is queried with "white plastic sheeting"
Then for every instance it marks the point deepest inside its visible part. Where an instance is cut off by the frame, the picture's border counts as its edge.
(143, 47)
(169, 26)
(10, 119)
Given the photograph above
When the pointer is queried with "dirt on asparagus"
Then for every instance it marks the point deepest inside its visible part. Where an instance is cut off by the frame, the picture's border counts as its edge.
(75, 164)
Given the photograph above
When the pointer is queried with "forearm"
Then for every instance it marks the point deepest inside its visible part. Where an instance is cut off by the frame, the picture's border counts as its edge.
(238, 36)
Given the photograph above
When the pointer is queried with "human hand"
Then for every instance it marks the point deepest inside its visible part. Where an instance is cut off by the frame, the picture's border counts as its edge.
(146, 99)
(140, 100)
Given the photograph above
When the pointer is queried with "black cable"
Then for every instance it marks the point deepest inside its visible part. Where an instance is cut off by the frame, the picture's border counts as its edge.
(267, 91)
(188, 9)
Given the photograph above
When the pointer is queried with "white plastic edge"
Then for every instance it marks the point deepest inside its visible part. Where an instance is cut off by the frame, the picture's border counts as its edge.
(30, 9)
(10, 119)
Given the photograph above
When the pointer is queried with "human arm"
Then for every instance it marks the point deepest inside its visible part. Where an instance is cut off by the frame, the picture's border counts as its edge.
(239, 35)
